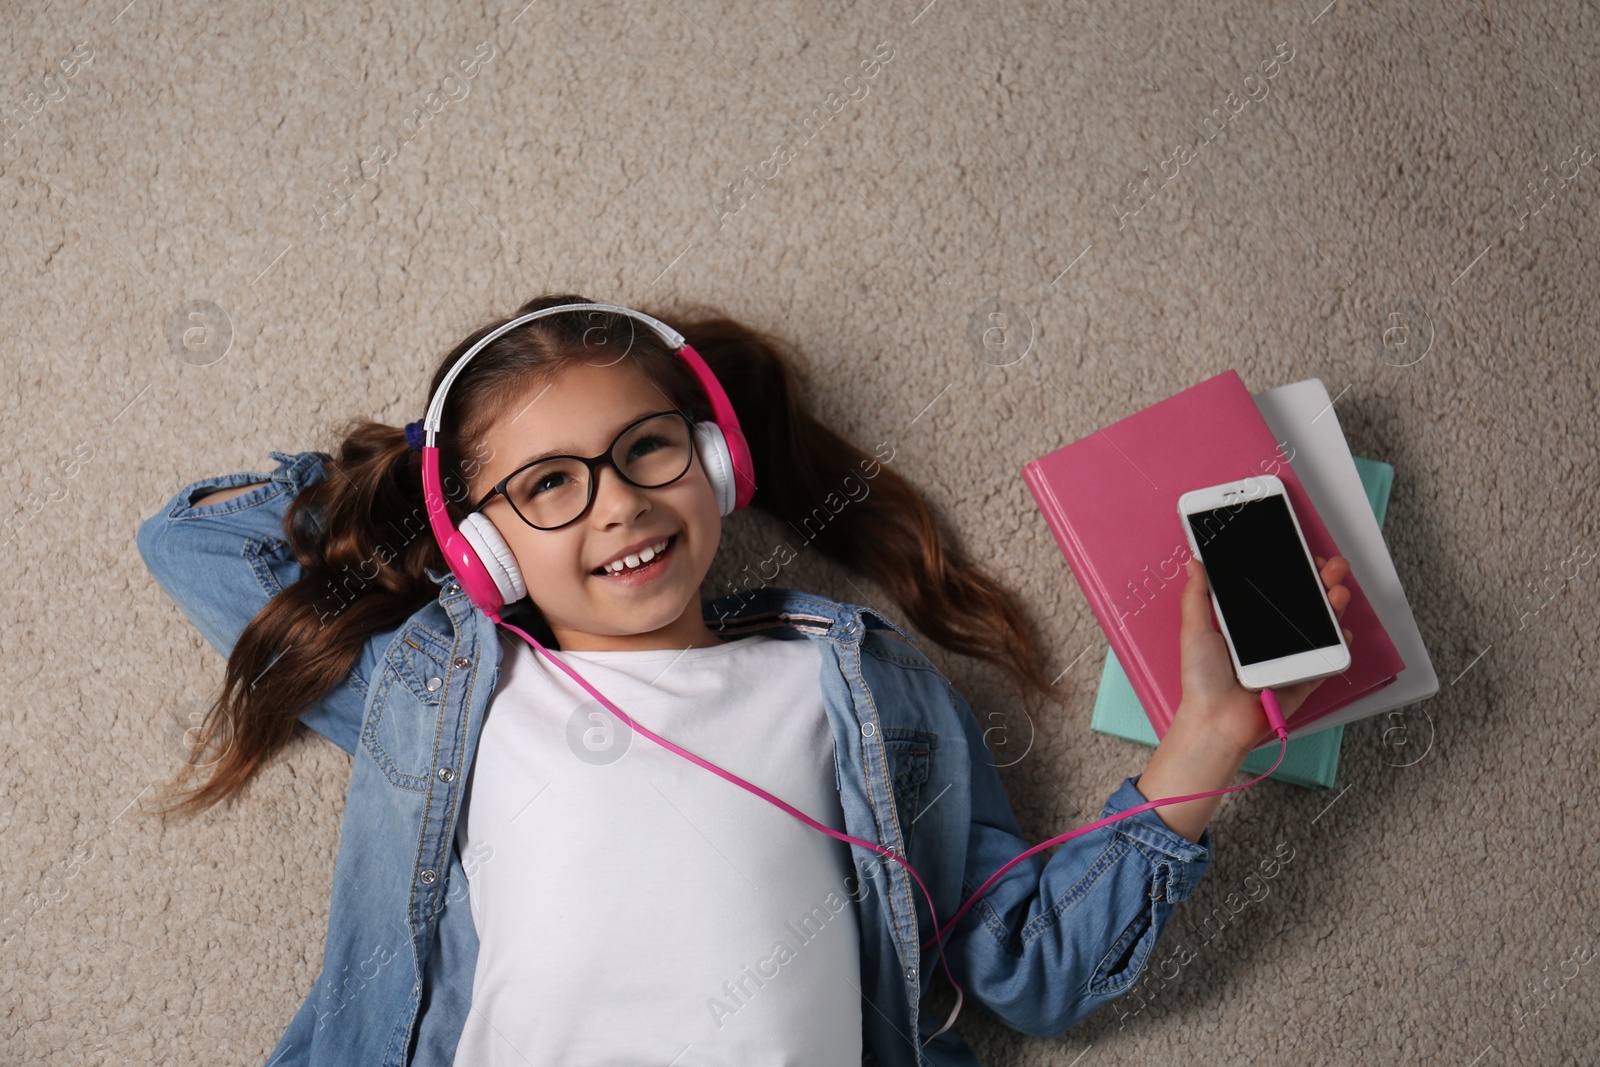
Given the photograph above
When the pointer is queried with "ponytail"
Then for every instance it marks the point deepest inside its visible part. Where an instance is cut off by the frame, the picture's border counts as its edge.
(887, 531)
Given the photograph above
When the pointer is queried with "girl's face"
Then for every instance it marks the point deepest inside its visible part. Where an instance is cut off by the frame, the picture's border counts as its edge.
(580, 413)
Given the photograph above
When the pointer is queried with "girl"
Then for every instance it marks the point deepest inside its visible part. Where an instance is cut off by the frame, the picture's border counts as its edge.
(522, 879)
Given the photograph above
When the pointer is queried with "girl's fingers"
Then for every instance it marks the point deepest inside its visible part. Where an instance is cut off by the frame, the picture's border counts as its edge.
(1195, 606)
(1334, 572)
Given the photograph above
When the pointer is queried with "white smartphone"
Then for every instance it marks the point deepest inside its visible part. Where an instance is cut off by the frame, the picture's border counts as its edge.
(1269, 598)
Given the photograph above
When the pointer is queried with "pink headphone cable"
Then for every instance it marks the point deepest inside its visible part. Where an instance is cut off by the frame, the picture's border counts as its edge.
(1269, 703)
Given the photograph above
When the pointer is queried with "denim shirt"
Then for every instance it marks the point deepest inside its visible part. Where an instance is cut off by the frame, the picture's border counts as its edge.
(1063, 933)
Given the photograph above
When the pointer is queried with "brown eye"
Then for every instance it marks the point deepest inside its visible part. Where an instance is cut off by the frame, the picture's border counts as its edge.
(658, 442)
(545, 483)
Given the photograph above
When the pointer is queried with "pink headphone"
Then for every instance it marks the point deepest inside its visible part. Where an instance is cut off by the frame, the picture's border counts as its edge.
(479, 556)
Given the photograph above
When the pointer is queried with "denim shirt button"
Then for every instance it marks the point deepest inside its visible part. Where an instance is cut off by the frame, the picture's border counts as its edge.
(461, 663)
(868, 729)
(434, 684)
(446, 774)
(428, 877)
(911, 974)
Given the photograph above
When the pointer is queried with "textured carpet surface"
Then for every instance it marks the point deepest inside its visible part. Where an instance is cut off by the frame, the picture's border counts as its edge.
(1030, 221)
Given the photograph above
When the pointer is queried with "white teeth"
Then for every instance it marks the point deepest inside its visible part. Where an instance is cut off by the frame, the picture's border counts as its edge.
(645, 556)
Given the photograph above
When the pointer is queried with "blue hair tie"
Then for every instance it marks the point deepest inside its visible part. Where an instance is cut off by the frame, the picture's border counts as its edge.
(414, 435)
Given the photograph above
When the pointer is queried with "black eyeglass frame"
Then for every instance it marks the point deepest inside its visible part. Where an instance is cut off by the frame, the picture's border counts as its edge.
(594, 463)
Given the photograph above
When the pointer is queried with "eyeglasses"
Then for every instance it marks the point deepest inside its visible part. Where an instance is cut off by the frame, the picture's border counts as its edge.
(547, 494)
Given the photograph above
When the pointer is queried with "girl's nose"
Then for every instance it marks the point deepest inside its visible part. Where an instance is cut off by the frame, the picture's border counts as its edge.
(614, 499)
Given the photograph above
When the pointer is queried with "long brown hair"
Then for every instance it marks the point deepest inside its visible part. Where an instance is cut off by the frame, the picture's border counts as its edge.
(344, 527)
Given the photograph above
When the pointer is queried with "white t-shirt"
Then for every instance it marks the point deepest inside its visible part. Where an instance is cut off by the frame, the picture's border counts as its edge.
(635, 908)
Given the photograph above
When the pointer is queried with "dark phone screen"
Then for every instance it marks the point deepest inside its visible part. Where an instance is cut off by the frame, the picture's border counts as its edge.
(1272, 600)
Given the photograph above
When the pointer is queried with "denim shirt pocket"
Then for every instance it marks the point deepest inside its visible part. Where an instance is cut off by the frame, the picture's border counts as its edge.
(401, 728)
(273, 562)
(910, 756)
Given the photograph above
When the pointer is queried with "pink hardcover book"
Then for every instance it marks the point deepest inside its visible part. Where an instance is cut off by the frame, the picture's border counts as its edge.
(1111, 500)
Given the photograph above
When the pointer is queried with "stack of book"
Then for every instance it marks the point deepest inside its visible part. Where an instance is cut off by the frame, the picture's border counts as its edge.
(1111, 501)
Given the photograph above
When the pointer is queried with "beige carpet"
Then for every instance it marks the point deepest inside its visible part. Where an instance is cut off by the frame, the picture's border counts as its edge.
(1383, 212)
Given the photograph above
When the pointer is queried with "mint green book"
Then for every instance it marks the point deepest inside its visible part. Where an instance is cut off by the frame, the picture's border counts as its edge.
(1311, 760)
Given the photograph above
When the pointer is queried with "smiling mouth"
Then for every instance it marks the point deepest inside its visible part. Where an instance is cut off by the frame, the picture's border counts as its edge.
(655, 563)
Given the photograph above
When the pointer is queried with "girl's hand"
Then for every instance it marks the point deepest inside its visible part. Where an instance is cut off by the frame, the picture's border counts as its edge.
(1212, 696)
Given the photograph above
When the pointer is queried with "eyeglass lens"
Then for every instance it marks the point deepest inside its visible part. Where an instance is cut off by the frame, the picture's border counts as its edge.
(650, 454)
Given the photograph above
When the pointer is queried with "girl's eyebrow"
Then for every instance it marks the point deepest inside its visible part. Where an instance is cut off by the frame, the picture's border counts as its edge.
(572, 451)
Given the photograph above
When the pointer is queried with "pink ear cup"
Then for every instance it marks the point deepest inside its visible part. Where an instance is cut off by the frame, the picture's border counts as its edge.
(496, 556)
(741, 471)
(718, 465)
(459, 554)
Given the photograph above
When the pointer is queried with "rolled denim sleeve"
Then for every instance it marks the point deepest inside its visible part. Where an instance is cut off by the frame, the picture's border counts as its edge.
(222, 562)
(1070, 929)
